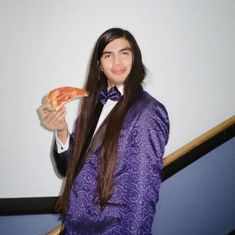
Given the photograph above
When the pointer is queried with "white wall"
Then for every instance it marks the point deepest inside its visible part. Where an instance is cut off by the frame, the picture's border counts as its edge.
(187, 46)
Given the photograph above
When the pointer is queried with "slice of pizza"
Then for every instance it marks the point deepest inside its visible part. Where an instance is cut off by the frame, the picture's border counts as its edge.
(60, 96)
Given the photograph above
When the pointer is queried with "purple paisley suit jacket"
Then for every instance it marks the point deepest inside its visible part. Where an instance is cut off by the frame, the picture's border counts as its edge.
(131, 208)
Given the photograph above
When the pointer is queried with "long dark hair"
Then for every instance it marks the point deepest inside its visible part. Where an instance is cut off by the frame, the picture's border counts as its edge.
(96, 81)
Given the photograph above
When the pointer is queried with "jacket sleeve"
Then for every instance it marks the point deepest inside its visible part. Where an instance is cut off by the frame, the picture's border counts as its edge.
(61, 159)
(148, 140)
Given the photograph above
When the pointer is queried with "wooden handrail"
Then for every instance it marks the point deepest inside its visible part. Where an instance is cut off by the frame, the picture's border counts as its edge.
(198, 141)
(182, 151)
(56, 231)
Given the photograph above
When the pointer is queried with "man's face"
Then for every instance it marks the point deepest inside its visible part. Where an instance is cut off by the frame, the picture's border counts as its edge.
(116, 61)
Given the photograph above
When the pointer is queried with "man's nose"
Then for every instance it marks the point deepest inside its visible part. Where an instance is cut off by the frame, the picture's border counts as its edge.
(117, 60)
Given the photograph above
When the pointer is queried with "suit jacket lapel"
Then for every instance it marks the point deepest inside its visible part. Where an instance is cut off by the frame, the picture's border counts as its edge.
(95, 143)
(97, 139)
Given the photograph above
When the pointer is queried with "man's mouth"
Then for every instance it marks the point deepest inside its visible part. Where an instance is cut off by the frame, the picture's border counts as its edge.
(118, 71)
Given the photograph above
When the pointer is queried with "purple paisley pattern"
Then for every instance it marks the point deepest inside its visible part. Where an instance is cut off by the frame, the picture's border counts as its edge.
(137, 177)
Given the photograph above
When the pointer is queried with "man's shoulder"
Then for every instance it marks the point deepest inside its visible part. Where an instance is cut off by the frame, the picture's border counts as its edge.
(147, 101)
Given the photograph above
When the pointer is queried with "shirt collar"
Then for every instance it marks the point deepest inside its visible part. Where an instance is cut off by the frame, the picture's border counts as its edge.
(121, 89)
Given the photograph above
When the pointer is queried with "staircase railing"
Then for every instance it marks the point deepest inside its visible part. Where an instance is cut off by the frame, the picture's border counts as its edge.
(198, 147)
(198, 141)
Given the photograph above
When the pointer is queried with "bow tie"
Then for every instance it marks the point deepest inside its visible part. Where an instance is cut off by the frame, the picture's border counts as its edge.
(113, 94)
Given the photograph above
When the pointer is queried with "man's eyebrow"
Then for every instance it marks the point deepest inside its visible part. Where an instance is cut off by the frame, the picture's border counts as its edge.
(126, 49)
(123, 49)
(106, 52)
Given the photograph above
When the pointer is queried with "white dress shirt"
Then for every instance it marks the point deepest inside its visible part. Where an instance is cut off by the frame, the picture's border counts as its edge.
(109, 105)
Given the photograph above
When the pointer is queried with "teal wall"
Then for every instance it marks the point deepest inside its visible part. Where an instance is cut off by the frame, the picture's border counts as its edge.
(200, 199)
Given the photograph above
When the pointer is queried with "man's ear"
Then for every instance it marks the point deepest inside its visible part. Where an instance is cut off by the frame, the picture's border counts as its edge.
(100, 67)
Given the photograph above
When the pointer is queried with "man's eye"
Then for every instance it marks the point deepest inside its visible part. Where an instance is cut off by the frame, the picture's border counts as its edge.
(106, 56)
(125, 53)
